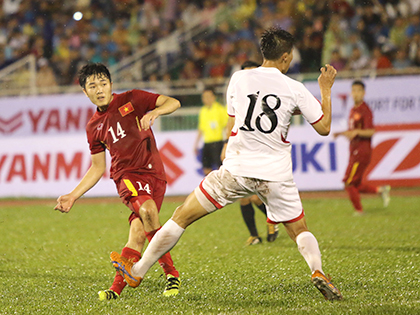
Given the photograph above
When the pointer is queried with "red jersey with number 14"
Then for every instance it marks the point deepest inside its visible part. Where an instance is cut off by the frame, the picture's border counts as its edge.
(360, 118)
(118, 130)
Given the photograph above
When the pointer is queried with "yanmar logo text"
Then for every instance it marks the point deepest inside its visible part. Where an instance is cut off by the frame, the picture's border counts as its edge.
(44, 121)
(8, 126)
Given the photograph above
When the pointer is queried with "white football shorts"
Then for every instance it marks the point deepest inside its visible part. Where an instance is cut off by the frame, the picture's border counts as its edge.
(221, 188)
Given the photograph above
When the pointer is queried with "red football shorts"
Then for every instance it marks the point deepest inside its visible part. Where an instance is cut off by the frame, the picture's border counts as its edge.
(142, 187)
(356, 169)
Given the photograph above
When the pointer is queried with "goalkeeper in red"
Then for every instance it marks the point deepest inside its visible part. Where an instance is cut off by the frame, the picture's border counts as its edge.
(261, 103)
(121, 124)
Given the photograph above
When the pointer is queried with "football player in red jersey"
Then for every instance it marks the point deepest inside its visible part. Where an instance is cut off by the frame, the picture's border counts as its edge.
(360, 133)
(122, 125)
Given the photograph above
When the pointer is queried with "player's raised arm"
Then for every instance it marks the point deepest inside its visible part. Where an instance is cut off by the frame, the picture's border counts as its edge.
(325, 81)
(92, 176)
(164, 105)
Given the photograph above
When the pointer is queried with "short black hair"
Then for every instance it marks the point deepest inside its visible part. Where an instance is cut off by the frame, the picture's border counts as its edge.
(209, 88)
(250, 64)
(358, 82)
(275, 42)
(96, 69)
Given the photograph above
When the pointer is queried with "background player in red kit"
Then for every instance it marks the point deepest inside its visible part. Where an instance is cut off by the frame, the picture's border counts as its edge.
(122, 124)
(360, 133)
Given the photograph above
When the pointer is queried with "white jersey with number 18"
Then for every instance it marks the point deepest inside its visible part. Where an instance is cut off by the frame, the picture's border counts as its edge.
(262, 100)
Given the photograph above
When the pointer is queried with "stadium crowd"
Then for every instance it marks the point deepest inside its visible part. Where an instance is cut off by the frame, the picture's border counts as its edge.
(349, 34)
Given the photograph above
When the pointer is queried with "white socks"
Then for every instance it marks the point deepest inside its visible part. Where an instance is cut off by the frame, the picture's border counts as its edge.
(308, 247)
(161, 243)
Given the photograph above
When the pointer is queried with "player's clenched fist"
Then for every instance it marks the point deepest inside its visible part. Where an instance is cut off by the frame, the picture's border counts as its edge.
(327, 76)
(64, 203)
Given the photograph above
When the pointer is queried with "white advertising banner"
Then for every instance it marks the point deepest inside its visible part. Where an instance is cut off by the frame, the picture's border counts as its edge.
(44, 115)
(319, 162)
(393, 100)
(44, 151)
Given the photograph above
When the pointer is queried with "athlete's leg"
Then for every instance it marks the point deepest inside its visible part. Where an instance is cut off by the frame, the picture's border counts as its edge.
(248, 212)
(149, 215)
(306, 242)
(190, 211)
(206, 159)
(136, 237)
(354, 196)
(308, 247)
(257, 201)
(352, 180)
(364, 188)
(132, 250)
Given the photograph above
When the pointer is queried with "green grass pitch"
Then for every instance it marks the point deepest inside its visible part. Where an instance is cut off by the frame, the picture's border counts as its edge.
(53, 263)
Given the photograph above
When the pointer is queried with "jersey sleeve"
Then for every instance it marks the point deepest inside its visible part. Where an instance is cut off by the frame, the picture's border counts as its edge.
(146, 99)
(95, 146)
(309, 106)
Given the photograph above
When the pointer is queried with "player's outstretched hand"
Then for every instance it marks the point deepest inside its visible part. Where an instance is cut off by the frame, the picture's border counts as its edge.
(64, 203)
(327, 77)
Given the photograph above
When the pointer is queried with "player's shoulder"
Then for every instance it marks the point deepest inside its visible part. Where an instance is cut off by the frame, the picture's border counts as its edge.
(293, 82)
(91, 122)
(365, 107)
(237, 75)
(220, 106)
(133, 93)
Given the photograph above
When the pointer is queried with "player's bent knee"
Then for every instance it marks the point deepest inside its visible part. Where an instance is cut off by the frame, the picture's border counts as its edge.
(189, 212)
(148, 212)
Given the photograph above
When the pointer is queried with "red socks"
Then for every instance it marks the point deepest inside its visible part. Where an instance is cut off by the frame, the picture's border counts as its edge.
(119, 283)
(367, 189)
(354, 195)
(166, 260)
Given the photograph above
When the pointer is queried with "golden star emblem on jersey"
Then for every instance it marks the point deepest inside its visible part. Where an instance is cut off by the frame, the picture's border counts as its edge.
(126, 109)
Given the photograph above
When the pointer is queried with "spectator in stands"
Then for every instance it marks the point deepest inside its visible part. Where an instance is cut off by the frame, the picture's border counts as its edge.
(414, 46)
(416, 59)
(246, 10)
(124, 27)
(357, 60)
(336, 60)
(45, 77)
(413, 27)
(379, 59)
(401, 60)
(397, 33)
(189, 71)
(333, 36)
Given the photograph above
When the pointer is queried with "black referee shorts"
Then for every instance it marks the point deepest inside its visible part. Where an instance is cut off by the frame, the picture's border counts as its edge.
(211, 154)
